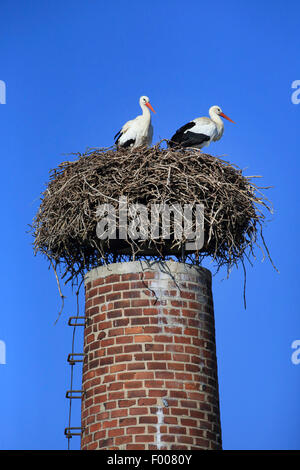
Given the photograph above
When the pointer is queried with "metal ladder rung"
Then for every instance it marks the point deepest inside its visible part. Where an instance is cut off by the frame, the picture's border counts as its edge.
(71, 323)
(70, 432)
(69, 394)
(71, 359)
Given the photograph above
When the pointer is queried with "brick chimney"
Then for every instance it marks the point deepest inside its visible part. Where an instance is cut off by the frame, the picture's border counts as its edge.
(150, 369)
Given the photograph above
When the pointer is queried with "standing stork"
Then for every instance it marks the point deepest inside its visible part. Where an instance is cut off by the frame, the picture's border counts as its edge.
(139, 131)
(200, 132)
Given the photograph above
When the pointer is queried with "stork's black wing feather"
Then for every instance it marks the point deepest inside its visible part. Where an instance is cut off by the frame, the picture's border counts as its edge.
(179, 134)
(186, 138)
(190, 139)
(128, 143)
(117, 136)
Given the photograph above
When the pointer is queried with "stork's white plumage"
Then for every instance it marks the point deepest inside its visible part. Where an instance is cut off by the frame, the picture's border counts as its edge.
(139, 131)
(200, 132)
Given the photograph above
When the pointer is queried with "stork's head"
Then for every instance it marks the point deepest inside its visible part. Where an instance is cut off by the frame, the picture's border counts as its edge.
(144, 101)
(217, 110)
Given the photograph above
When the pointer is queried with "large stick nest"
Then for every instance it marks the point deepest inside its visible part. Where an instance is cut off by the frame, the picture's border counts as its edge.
(64, 228)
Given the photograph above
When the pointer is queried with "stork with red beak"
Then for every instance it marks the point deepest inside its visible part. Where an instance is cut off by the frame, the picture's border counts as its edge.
(139, 131)
(200, 132)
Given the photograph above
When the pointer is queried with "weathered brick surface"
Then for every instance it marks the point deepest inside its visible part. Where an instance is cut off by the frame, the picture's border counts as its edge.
(150, 369)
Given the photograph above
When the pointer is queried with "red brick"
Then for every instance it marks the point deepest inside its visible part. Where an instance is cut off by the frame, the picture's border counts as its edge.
(133, 330)
(116, 396)
(187, 295)
(104, 289)
(164, 375)
(136, 366)
(133, 312)
(117, 367)
(123, 440)
(119, 413)
(113, 296)
(181, 357)
(92, 311)
(114, 314)
(202, 443)
(173, 384)
(149, 275)
(110, 424)
(140, 303)
(157, 393)
(182, 339)
(106, 360)
(121, 286)
(170, 420)
(152, 329)
(184, 439)
(135, 447)
(115, 386)
(114, 350)
(189, 404)
(157, 365)
(116, 332)
(126, 403)
(191, 332)
(130, 277)
(143, 339)
(94, 427)
(150, 311)
(124, 339)
(127, 422)
(189, 422)
(100, 434)
(138, 285)
(174, 348)
(131, 294)
(154, 347)
(138, 411)
(147, 402)
(162, 356)
(177, 430)
(112, 278)
(142, 375)
(121, 304)
(154, 383)
(132, 347)
(140, 321)
(135, 430)
(167, 438)
(115, 432)
(136, 393)
(163, 339)
(133, 384)
(144, 438)
(123, 358)
(105, 325)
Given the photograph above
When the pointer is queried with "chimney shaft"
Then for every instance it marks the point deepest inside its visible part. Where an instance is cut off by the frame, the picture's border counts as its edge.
(150, 367)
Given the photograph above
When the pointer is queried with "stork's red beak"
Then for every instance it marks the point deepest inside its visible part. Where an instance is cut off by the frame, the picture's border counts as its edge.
(150, 107)
(226, 117)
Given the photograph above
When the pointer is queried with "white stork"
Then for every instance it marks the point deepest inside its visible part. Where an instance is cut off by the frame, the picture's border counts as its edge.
(200, 132)
(139, 131)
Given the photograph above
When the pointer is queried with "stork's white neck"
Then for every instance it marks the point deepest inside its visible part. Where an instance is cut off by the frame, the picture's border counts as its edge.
(146, 111)
(217, 120)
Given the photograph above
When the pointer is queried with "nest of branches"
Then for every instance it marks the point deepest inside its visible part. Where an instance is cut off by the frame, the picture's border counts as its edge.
(66, 227)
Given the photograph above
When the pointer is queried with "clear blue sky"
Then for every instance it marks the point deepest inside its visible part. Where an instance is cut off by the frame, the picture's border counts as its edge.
(74, 71)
